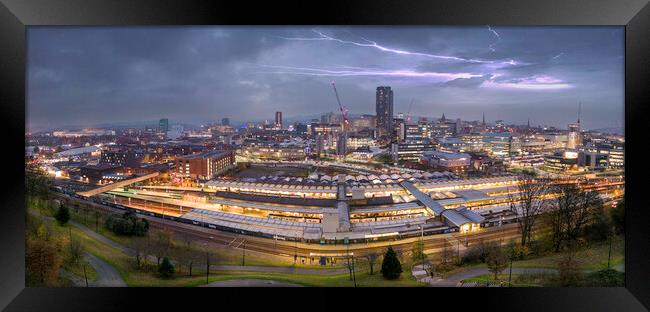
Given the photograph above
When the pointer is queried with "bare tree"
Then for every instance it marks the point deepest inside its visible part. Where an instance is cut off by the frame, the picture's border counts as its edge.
(568, 272)
(372, 259)
(75, 251)
(572, 209)
(528, 203)
(141, 248)
(162, 244)
(447, 254)
(189, 256)
(497, 260)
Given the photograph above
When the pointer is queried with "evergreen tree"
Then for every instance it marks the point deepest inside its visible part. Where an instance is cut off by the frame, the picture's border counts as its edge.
(391, 268)
(62, 215)
(166, 268)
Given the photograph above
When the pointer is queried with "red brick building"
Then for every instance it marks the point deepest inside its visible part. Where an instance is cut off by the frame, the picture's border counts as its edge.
(205, 165)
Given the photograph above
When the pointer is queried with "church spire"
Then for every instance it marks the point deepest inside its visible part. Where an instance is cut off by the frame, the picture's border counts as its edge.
(443, 117)
(484, 118)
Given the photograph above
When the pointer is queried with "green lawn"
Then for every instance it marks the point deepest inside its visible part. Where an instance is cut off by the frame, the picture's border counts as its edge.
(363, 279)
(588, 258)
(136, 278)
(518, 280)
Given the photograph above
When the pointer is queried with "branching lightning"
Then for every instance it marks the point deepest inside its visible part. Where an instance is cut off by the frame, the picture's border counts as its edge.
(375, 45)
(491, 47)
(359, 71)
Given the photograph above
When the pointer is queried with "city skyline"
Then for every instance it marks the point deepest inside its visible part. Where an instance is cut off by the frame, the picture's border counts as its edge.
(90, 76)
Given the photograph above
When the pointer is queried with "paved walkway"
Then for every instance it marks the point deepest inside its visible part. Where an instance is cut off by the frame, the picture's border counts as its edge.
(107, 275)
(290, 270)
(455, 279)
(251, 283)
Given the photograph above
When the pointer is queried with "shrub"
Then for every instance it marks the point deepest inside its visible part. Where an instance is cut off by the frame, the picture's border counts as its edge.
(605, 278)
(127, 224)
(599, 229)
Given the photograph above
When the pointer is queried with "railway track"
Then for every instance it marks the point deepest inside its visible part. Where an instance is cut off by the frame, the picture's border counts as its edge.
(223, 239)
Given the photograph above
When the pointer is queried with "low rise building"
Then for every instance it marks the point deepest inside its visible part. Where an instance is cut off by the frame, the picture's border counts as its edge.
(205, 165)
(447, 161)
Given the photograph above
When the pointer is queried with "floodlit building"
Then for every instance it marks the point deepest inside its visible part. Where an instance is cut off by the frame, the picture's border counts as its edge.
(447, 161)
(205, 165)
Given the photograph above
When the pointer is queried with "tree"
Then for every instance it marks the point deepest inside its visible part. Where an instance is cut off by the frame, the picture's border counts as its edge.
(166, 268)
(497, 260)
(527, 204)
(617, 215)
(568, 273)
(162, 244)
(62, 215)
(417, 252)
(391, 268)
(127, 224)
(372, 259)
(42, 263)
(141, 247)
(447, 254)
(571, 210)
(75, 251)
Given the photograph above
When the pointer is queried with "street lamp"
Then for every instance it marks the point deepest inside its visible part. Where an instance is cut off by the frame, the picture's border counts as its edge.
(243, 259)
(207, 263)
(346, 241)
(422, 244)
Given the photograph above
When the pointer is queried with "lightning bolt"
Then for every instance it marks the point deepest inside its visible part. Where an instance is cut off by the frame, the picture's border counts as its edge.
(491, 47)
(372, 44)
(359, 71)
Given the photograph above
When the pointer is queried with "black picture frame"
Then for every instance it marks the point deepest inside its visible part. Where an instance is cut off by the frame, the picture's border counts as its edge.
(634, 15)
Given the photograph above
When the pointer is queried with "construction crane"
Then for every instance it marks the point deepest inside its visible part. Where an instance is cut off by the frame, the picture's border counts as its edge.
(344, 111)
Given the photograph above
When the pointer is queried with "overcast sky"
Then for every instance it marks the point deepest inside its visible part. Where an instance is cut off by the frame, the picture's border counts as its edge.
(92, 75)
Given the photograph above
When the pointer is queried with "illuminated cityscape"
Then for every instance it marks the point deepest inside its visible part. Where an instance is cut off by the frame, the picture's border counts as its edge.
(347, 176)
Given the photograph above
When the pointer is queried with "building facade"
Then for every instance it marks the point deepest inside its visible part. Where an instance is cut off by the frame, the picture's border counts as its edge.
(384, 109)
(205, 166)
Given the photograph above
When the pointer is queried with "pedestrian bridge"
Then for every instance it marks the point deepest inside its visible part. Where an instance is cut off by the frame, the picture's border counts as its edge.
(115, 185)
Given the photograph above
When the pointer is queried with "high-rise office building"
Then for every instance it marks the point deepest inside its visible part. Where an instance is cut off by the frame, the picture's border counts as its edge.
(384, 108)
(163, 125)
(225, 121)
(341, 144)
(278, 120)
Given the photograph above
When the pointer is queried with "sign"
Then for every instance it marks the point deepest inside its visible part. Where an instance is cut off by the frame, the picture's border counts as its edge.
(346, 241)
